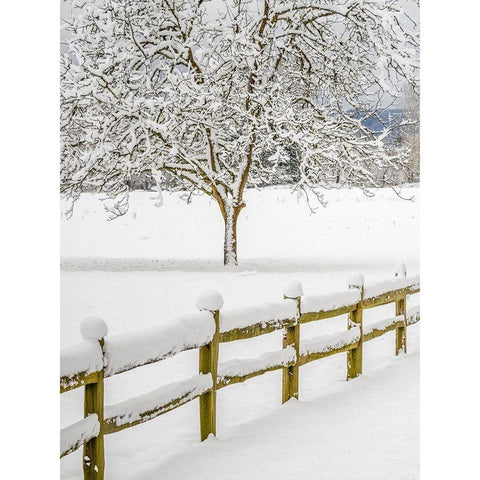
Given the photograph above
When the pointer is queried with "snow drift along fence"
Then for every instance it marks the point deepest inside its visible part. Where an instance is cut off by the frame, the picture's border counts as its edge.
(99, 357)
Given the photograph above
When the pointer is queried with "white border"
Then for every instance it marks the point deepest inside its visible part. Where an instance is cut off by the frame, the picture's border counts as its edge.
(449, 222)
(450, 240)
(30, 239)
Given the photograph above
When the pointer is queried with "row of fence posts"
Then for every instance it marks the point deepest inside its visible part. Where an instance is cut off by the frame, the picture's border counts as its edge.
(291, 338)
(94, 451)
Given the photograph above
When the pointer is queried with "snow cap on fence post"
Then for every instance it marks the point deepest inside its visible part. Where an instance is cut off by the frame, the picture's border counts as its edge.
(93, 328)
(293, 289)
(209, 300)
(356, 281)
(401, 270)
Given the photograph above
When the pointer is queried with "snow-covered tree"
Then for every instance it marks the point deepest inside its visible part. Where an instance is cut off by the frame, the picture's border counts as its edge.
(203, 89)
(410, 134)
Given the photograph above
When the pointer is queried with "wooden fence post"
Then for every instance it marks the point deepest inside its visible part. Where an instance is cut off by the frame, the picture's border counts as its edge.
(355, 319)
(401, 309)
(291, 338)
(94, 328)
(208, 363)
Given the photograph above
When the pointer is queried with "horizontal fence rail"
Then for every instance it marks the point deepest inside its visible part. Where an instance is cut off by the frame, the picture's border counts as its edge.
(150, 405)
(98, 356)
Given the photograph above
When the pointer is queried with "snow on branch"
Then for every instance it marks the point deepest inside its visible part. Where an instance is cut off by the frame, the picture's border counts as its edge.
(221, 104)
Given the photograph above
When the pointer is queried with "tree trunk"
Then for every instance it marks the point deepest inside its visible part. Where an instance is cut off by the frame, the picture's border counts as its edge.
(230, 238)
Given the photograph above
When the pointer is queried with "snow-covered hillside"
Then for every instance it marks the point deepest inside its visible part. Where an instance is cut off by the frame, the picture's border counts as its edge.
(148, 266)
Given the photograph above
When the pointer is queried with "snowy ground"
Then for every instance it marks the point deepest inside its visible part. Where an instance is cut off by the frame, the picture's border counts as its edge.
(138, 271)
(277, 232)
(369, 427)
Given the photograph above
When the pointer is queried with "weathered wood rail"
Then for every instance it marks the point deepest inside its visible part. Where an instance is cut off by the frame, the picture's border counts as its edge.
(99, 357)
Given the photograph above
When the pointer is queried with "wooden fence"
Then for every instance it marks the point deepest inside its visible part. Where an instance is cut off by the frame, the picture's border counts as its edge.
(97, 358)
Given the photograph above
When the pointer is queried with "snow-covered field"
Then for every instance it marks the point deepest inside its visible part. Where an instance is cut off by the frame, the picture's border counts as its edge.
(146, 267)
